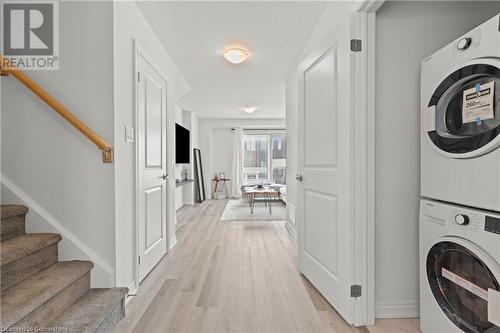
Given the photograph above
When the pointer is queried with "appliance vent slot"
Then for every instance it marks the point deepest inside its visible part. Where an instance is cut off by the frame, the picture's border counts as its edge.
(434, 219)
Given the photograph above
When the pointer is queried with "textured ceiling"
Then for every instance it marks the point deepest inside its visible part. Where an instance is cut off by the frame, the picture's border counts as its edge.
(196, 33)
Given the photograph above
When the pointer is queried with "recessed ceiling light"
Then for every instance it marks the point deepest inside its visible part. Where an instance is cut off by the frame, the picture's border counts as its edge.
(249, 109)
(235, 55)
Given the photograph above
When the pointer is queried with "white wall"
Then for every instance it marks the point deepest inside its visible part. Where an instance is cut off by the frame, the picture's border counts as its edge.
(292, 150)
(215, 140)
(46, 157)
(129, 24)
(222, 153)
(407, 32)
(184, 194)
(192, 123)
(179, 191)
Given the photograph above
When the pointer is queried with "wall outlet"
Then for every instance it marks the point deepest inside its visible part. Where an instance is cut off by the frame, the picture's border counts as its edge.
(129, 134)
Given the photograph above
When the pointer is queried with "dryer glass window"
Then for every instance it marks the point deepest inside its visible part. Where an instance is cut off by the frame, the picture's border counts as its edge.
(459, 280)
(450, 109)
(467, 109)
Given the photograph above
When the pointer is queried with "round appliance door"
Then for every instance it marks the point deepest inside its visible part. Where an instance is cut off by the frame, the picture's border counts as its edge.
(460, 274)
(467, 110)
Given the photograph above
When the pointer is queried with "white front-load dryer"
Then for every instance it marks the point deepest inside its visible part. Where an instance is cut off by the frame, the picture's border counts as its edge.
(460, 120)
(459, 269)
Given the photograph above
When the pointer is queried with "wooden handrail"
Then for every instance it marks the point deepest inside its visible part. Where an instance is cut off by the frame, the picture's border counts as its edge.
(107, 150)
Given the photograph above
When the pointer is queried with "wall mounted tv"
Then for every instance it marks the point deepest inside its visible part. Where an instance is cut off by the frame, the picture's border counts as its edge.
(182, 151)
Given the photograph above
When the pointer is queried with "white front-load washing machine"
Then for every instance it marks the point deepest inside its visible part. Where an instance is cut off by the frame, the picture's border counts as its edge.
(460, 120)
(459, 269)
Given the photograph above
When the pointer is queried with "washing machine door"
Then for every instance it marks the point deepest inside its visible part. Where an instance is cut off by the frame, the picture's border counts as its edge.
(460, 274)
(465, 110)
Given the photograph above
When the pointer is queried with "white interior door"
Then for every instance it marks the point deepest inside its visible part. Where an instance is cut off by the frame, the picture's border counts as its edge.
(326, 153)
(152, 165)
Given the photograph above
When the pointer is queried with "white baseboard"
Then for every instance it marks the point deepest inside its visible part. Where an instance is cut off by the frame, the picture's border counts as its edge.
(291, 230)
(71, 247)
(132, 292)
(290, 221)
(410, 309)
(172, 242)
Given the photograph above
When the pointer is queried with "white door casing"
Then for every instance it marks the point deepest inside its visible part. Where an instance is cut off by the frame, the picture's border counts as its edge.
(326, 161)
(151, 124)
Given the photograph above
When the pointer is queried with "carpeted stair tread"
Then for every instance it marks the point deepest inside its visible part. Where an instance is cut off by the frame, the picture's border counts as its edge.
(8, 211)
(91, 310)
(26, 296)
(18, 247)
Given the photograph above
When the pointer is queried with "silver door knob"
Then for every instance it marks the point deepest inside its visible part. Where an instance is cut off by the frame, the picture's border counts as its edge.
(299, 177)
(164, 177)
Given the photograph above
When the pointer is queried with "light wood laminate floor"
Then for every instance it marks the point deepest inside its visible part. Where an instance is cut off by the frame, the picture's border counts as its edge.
(229, 277)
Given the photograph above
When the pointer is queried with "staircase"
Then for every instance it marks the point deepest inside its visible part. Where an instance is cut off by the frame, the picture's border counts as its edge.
(37, 290)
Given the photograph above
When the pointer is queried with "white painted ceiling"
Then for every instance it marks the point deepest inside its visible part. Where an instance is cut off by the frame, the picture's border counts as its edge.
(196, 33)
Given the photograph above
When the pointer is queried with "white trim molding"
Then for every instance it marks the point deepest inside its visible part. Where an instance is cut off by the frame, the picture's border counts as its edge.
(290, 221)
(365, 114)
(291, 230)
(409, 309)
(66, 234)
(172, 242)
(132, 292)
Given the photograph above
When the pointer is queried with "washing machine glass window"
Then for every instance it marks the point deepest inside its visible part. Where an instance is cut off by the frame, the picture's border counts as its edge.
(467, 109)
(459, 280)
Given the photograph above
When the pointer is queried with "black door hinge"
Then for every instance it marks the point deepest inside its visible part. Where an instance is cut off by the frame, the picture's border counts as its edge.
(355, 45)
(355, 291)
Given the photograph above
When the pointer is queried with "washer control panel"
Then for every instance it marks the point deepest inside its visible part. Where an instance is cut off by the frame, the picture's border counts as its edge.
(492, 224)
(465, 219)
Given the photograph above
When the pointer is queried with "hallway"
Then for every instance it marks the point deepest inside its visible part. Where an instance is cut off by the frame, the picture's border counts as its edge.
(229, 277)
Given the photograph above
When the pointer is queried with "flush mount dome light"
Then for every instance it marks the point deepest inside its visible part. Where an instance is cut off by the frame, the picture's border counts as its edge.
(235, 55)
(249, 109)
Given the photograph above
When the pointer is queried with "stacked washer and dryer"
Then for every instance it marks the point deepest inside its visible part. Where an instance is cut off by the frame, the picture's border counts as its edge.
(460, 185)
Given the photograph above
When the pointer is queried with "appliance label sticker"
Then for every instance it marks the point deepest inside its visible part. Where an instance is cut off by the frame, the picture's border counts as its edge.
(467, 285)
(429, 119)
(478, 103)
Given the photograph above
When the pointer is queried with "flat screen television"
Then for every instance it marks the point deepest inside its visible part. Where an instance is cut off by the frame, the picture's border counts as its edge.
(182, 152)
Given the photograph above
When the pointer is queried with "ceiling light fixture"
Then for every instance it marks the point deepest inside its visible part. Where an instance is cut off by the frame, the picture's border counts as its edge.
(249, 109)
(235, 55)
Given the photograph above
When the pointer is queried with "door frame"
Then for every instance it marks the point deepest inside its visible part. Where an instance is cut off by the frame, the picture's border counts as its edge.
(139, 51)
(365, 108)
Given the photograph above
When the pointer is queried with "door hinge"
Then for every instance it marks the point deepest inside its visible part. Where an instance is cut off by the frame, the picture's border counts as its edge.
(355, 290)
(355, 45)
(139, 260)
(138, 76)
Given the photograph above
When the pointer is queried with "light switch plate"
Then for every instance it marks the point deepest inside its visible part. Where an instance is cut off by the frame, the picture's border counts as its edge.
(129, 134)
(494, 306)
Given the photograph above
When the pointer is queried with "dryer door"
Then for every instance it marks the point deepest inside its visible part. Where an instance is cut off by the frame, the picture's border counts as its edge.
(465, 108)
(460, 274)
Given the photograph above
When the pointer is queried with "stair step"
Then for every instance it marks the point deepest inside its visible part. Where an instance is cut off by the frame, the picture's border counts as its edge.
(99, 310)
(25, 255)
(12, 221)
(39, 299)
(8, 211)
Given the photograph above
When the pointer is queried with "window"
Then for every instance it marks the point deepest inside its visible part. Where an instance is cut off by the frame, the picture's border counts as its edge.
(278, 158)
(264, 157)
